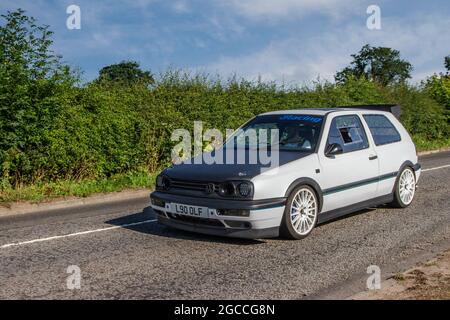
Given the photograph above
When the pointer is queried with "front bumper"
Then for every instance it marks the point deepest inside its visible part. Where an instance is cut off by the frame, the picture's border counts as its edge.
(263, 220)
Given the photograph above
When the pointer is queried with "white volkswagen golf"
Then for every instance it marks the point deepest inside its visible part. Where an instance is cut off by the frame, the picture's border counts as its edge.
(331, 162)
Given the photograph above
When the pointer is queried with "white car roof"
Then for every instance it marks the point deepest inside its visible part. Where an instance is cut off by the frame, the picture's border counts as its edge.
(323, 111)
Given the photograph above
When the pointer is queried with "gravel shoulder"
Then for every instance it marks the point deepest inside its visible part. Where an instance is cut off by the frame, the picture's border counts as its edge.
(427, 281)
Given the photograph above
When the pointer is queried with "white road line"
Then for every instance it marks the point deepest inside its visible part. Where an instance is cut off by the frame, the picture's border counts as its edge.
(435, 168)
(75, 234)
(120, 226)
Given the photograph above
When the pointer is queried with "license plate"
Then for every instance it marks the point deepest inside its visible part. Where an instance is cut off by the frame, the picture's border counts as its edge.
(188, 210)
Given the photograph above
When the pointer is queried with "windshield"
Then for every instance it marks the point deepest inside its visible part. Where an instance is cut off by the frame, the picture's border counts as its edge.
(289, 132)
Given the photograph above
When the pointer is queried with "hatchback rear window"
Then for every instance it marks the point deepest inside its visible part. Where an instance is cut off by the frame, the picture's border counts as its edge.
(383, 131)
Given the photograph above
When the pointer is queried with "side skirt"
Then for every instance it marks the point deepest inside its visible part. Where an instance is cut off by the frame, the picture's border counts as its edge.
(336, 213)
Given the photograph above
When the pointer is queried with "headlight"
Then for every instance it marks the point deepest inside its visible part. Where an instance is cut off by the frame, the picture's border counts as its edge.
(238, 189)
(227, 189)
(244, 189)
(159, 180)
(163, 182)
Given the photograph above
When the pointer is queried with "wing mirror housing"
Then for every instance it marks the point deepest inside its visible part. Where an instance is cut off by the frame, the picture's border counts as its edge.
(333, 149)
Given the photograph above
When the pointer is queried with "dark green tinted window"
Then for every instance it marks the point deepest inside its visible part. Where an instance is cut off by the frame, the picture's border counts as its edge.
(382, 130)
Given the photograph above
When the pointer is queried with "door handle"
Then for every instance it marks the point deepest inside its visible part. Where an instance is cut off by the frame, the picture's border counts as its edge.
(373, 157)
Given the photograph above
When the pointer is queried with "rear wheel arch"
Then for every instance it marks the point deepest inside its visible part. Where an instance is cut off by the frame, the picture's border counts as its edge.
(405, 164)
(398, 198)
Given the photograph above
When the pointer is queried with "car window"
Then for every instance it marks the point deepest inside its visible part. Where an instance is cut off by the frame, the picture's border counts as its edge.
(382, 130)
(348, 132)
(296, 132)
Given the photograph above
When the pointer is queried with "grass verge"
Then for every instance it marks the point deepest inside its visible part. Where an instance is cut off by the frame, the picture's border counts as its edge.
(67, 188)
(424, 144)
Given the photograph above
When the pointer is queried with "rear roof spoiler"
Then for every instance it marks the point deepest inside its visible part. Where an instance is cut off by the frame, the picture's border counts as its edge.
(395, 109)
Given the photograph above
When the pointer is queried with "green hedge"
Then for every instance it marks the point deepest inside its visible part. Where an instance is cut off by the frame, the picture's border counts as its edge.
(97, 131)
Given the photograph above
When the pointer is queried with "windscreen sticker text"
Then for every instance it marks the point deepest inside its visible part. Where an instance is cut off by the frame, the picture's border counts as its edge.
(292, 117)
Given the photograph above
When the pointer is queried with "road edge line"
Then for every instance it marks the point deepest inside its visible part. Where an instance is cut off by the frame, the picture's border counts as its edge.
(80, 233)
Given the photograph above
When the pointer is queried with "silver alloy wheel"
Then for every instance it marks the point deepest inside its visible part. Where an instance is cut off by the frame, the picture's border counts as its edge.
(303, 211)
(407, 186)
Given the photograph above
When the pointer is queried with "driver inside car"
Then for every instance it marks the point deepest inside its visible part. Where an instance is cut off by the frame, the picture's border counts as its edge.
(294, 138)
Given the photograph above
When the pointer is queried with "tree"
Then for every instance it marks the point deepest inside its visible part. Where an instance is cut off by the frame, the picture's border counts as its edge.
(438, 85)
(447, 64)
(379, 64)
(26, 48)
(31, 75)
(125, 72)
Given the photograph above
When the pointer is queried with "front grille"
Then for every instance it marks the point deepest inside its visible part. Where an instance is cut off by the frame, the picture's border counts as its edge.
(192, 185)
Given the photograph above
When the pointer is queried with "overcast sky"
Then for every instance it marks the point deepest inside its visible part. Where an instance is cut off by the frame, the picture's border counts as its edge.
(294, 41)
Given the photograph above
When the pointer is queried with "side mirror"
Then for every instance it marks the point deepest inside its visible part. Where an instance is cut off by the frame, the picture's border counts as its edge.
(333, 149)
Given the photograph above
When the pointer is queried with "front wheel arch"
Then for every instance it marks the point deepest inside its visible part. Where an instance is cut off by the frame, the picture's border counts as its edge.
(287, 228)
(309, 182)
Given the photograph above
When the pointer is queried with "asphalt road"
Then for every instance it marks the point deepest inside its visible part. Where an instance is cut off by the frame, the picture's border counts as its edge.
(123, 254)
